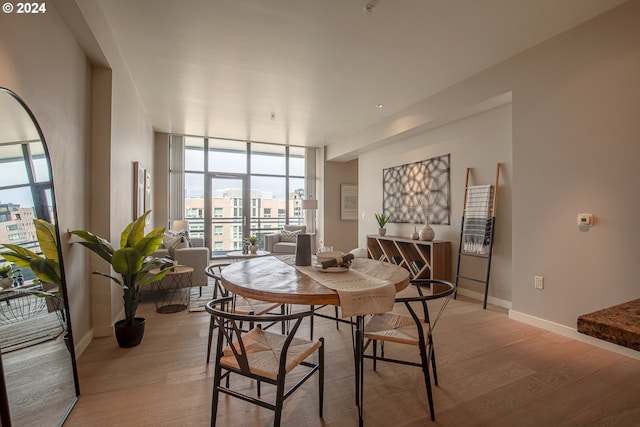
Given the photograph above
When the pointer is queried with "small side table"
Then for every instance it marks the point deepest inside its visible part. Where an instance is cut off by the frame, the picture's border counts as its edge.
(16, 306)
(169, 294)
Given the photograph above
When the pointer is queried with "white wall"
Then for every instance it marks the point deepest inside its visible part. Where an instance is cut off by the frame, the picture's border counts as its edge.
(120, 113)
(575, 150)
(341, 235)
(42, 63)
(575, 109)
(478, 142)
(95, 127)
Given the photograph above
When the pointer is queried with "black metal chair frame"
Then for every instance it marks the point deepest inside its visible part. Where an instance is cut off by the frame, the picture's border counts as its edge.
(228, 324)
(425, 343)
(217, 289)
(336, 317)
(220, 290)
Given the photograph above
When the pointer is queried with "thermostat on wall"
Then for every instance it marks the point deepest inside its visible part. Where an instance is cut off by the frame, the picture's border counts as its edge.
(585, 219)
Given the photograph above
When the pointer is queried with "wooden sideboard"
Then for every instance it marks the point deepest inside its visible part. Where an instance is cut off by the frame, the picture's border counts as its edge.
(424, 260)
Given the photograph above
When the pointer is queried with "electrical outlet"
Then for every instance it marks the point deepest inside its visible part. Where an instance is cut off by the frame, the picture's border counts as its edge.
(538, 282)
(585, 219)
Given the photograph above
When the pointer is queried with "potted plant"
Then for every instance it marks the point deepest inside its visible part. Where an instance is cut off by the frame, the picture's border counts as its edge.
(6, 281)
(253, 241)
(382, 219)
(132, 262)
(46, 268)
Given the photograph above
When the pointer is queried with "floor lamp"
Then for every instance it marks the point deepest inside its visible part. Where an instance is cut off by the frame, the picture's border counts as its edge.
(179, 225)
(311, 205)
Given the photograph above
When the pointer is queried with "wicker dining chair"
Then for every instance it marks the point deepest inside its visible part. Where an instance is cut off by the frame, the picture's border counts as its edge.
(263, 356)
(240, 305)
(411, 329)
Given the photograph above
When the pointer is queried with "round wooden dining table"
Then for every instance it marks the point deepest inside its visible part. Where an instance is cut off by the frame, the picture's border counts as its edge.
(275, 279)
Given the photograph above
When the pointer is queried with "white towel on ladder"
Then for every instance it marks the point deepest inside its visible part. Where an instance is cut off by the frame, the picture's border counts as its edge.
(477, 219)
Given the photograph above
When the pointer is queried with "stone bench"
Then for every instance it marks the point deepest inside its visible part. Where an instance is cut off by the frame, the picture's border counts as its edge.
(619, 324)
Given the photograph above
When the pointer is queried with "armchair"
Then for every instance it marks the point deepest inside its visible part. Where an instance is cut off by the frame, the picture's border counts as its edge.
(277, 243)
(196, 257)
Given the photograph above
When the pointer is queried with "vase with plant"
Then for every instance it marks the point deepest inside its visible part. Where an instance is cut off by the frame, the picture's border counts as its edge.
(253, 241)
(6, 281)
(382, 219)
(132, 262)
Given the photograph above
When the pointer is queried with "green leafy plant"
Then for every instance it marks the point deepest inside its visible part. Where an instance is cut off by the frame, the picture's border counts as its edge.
(46, 267)
(382, 219)
(5, 271)
(132, 261)
(6, 278)
(253, 240)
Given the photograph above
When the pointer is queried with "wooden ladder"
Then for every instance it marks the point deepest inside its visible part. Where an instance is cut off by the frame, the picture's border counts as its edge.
(468, 233)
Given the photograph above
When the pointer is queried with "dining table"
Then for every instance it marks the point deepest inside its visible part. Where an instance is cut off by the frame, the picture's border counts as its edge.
(279, 280)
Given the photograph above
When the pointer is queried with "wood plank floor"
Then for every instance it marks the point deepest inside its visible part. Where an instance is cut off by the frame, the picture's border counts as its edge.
(39, 382)
(492, 371)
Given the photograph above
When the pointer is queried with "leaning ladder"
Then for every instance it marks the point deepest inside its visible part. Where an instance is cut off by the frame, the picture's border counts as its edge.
(477, 229)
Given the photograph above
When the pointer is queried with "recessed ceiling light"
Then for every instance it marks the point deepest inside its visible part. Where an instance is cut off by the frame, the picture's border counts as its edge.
(379, 105)
(368, 7)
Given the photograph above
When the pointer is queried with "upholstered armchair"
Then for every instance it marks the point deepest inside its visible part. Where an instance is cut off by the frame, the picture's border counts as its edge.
(196, 257)
(284, 241)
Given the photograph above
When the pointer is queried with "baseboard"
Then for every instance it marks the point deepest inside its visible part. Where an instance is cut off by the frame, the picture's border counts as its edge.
(81, 345)
(480, 297)
(572, 333)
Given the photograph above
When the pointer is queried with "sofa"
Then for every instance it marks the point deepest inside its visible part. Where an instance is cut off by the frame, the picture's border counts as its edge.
(196, 257)
(284, 241)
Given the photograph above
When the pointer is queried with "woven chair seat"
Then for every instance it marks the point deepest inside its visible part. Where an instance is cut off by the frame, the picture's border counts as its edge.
(393, 327)
(412, 329)
(263, 352)
(251, 306)
(241, 304)
(263, 356)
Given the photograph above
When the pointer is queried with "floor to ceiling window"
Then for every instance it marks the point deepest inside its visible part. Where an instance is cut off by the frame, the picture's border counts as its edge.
(232, 189)
(25, 194)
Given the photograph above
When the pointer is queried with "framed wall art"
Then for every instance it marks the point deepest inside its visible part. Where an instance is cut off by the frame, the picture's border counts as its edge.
(147, 194)
(139, 189)
(418, 192)
(348, 202)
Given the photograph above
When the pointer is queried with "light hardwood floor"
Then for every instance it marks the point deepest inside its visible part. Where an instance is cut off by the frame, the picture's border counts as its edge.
(492, 371)
(39, 383)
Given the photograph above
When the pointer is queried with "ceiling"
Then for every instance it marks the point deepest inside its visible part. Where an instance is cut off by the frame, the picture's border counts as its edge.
(310, 73)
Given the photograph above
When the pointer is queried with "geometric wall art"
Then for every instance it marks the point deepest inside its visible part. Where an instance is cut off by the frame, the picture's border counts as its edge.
(418, 192)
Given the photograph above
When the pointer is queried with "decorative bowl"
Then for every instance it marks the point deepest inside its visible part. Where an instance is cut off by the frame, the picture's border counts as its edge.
(326, 256)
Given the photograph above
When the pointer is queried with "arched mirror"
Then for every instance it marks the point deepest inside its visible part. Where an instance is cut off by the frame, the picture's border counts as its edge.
(38, 381)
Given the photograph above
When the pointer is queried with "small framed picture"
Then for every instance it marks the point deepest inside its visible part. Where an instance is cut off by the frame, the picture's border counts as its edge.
(139, 176)
(348, 202)
(147, 194)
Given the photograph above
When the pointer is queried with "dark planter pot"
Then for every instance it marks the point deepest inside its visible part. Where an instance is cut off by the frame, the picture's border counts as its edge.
(129, 336)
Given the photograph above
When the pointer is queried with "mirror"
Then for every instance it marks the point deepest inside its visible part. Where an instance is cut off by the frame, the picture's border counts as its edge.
(38, 375)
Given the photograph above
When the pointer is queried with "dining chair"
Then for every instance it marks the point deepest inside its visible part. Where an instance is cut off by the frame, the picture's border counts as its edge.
(263, 356)
(240, 304)
(335, 317)
(415, 328)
